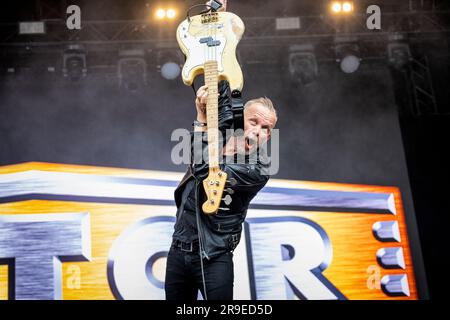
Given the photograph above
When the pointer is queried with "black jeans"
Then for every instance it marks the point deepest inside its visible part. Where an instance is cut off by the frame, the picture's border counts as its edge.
(184, 276)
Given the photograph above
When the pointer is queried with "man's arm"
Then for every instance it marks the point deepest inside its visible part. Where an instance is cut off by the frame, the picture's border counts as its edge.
(200, 105)
(199, 141)
(225, 107)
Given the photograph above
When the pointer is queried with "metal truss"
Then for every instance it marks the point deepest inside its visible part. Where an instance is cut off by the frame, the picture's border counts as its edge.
(420, 80)
(259, 30)
(425, 20)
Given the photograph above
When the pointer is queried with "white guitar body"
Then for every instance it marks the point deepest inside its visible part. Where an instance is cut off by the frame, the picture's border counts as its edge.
(202, 41)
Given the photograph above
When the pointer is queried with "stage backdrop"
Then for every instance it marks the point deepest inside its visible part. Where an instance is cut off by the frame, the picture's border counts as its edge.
(341, 128)
(84, 232)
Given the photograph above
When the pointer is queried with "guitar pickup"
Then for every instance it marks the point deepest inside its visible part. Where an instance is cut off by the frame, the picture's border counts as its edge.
(214, 43)
(210, 42)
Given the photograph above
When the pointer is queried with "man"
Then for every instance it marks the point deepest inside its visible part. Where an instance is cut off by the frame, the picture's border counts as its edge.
(201, 254)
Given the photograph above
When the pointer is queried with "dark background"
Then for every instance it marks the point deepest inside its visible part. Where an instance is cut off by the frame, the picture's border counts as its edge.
(349, 128)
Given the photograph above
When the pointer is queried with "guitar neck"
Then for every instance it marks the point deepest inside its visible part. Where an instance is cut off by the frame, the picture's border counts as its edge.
(212, 113)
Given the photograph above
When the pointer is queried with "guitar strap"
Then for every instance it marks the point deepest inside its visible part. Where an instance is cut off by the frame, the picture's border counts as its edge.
(195, 90)
(237, 105)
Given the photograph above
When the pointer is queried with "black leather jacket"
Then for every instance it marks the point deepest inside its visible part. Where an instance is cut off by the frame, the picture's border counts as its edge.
(221, 232)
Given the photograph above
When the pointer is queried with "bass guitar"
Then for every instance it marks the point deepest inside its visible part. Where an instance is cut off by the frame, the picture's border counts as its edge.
(209, 42)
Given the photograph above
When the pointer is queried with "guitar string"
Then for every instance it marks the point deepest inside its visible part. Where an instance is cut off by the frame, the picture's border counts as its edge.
(205, 294)
(211, 54)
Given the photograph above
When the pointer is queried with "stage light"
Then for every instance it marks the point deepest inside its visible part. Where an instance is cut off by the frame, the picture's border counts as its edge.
(74, 62)
(169, 63)
(347, 7)
(347, 54)
(399, 52)
(302, 64)
(132, 70)
(288, 23)
(336, 7)
(170, 70)
(341, 7)
(171, 13)
(36, 27)
(350, 63)
(399, 55)
(160, 13)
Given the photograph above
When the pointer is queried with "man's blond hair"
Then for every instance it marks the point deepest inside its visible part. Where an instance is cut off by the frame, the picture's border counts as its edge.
(266, 102)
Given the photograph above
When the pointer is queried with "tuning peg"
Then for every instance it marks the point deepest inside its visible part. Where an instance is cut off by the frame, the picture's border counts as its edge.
(227, 199)
(232, 181)
(229, 190)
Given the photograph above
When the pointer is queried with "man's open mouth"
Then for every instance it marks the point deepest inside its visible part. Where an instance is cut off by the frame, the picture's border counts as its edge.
(249, 142)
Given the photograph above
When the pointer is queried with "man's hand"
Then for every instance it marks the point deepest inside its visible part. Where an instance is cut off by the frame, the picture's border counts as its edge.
(200, 103)
(224, 5)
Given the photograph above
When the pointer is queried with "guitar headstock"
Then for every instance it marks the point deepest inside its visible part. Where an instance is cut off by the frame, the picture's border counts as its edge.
(214, 185)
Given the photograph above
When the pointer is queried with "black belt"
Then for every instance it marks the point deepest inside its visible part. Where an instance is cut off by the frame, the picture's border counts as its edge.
(185, 246)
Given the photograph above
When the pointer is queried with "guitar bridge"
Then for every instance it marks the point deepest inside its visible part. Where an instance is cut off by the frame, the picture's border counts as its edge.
(210, 17)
